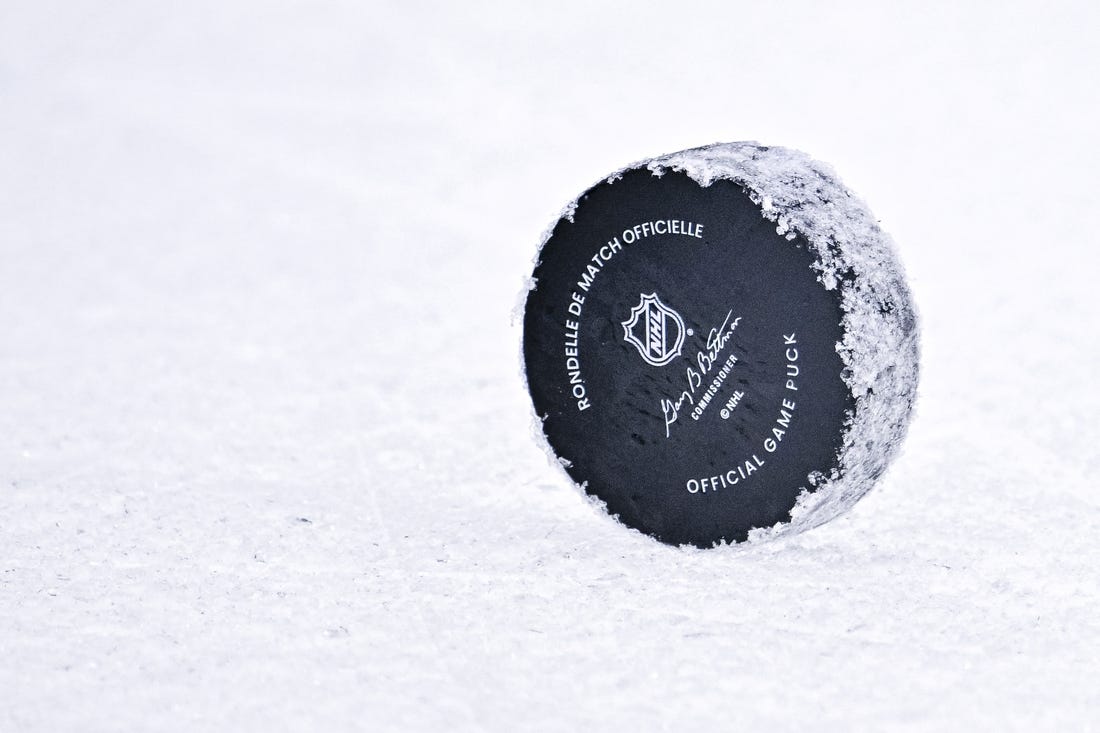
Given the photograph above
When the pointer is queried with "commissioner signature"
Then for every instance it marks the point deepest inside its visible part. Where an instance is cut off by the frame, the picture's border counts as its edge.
(705, 361)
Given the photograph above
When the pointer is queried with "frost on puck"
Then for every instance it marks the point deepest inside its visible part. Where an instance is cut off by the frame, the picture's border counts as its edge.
(720, 344)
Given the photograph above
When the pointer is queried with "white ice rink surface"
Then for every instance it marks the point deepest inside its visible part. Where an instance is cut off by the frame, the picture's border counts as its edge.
(265, 460)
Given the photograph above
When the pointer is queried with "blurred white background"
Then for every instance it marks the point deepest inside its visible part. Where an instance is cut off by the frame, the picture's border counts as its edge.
(266, 461)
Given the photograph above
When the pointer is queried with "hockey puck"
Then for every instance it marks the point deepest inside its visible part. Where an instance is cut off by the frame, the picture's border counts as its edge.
(720, 344)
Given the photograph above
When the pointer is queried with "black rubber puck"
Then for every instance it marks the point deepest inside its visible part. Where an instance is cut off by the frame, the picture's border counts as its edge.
(687, 358)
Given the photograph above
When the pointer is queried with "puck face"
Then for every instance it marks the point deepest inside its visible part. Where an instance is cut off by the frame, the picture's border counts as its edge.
(682, 355)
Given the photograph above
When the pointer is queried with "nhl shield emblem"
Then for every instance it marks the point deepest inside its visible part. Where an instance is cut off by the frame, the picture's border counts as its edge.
(655, 330)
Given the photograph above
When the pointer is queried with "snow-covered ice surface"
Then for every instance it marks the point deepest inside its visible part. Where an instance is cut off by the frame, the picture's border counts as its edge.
(266, 461)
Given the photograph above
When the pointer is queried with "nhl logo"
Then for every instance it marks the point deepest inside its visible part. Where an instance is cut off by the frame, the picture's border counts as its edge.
(661, 333)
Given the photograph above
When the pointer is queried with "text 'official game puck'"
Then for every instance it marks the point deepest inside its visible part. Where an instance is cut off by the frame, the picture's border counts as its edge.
(721, 342)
